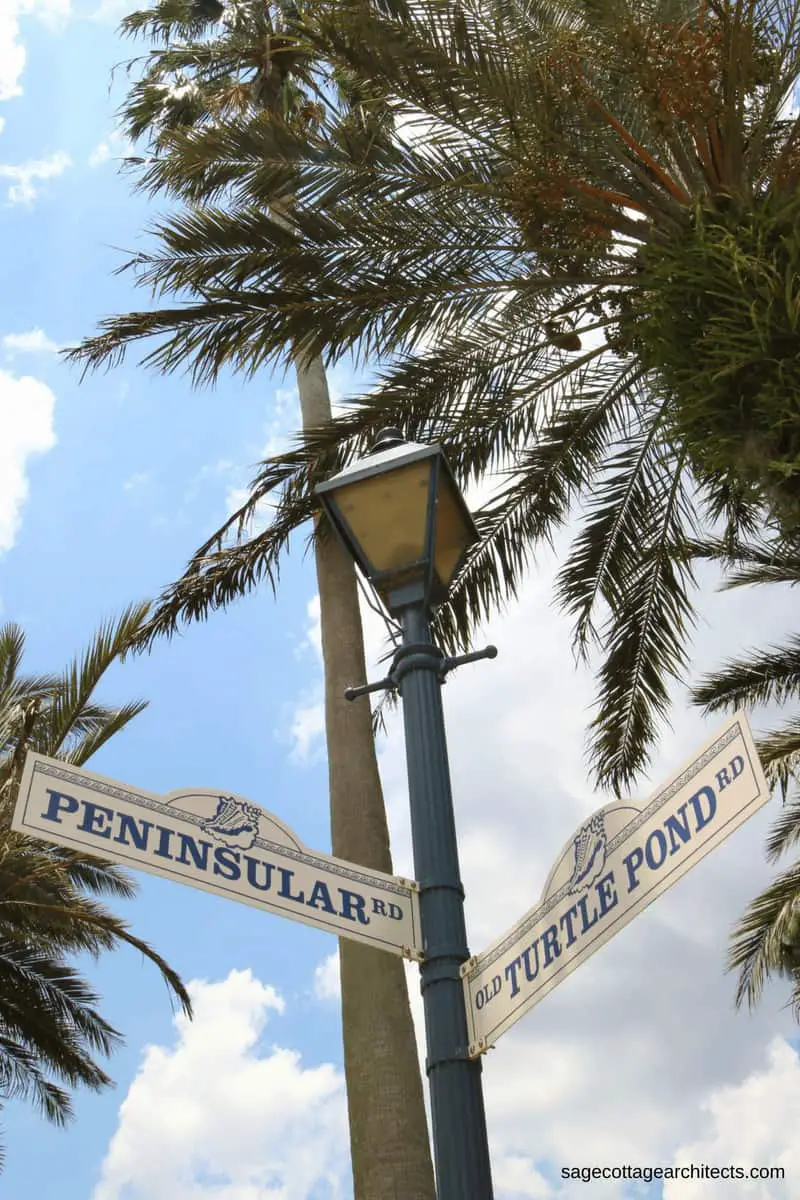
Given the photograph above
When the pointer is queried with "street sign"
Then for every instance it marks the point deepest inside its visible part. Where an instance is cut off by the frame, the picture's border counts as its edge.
(220, 843)
(616, 863)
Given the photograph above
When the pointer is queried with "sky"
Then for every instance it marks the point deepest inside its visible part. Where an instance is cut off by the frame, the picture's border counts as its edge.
(106, 487)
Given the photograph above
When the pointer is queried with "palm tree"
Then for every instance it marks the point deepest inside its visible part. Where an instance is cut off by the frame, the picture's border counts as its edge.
(581, 270)
(50, 1027)
(201, 74)
(767, 940)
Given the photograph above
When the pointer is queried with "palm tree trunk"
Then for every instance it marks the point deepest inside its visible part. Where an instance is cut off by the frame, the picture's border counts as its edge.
(388, 1130)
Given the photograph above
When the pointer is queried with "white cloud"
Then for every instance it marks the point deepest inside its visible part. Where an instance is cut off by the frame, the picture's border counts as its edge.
(115, 144)
(110, 10)
(100, 154)
(33, 341)
(313, 634)
(12, 51)
(748, 1124)
(307, 721)
(26, 418)
(307, 727)
(516, 1178)
(341, 385)
(306, 715)
(137, 481)
(283, 421)
(327, 983)
(236, 497)
(219, 1115)
(23, 189)
(222, 467)
(51, 12)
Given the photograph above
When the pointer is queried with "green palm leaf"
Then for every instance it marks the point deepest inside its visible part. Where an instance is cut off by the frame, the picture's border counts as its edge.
(762, 677)
(563, 152)
(50, 1028)
(388, 246)
(767, 939)
(764, 940)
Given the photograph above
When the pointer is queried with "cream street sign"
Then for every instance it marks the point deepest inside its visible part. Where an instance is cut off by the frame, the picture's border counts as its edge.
(616, 863)
(220, 843)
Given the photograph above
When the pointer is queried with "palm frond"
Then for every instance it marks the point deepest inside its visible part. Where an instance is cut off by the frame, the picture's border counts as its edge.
(50, 1028)
(503, 274)
(779, 752)
(647, 639)
(22, 1077)
(34, 984)
(80, 680)
(762, 677)
(762, 941)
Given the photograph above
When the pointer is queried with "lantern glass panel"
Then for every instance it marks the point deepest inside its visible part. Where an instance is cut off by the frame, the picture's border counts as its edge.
(387, 515)
(454, 533)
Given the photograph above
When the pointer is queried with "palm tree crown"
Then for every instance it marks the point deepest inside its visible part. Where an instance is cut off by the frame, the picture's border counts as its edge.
(522, 264)
(50, 1026)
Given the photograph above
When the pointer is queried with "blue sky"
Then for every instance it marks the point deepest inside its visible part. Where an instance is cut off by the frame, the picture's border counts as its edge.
(106, 487)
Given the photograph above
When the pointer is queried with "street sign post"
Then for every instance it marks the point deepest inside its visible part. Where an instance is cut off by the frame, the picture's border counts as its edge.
(220, 843)
(617, 862)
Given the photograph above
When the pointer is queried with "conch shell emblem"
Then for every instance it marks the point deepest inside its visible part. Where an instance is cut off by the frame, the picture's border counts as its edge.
(589, 848)
(235, 823)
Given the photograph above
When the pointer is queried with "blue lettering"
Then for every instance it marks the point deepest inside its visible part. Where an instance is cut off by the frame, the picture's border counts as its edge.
(723, 778)
(511, 972)
(550, 944)
(702, 820)
(352, 904)
(566, 919)
(58, 802)
(659, 838)
(606, 893)
(320, 895)
(395, 912)
(163, 842)
(632, 862)
(198, 851)
(487, 992)
(737, 762)
(252, 863)
(378, 906)
(226, 863)
(526, 955)
(129, 827)
(586, 924)
(285, 889)
(96, 819)
(673, 827)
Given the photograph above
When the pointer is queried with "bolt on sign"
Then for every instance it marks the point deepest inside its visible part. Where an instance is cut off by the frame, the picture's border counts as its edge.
(220, 843)
(618, 861)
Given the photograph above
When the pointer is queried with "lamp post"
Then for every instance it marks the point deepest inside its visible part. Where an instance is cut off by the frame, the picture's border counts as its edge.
(403, 519)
